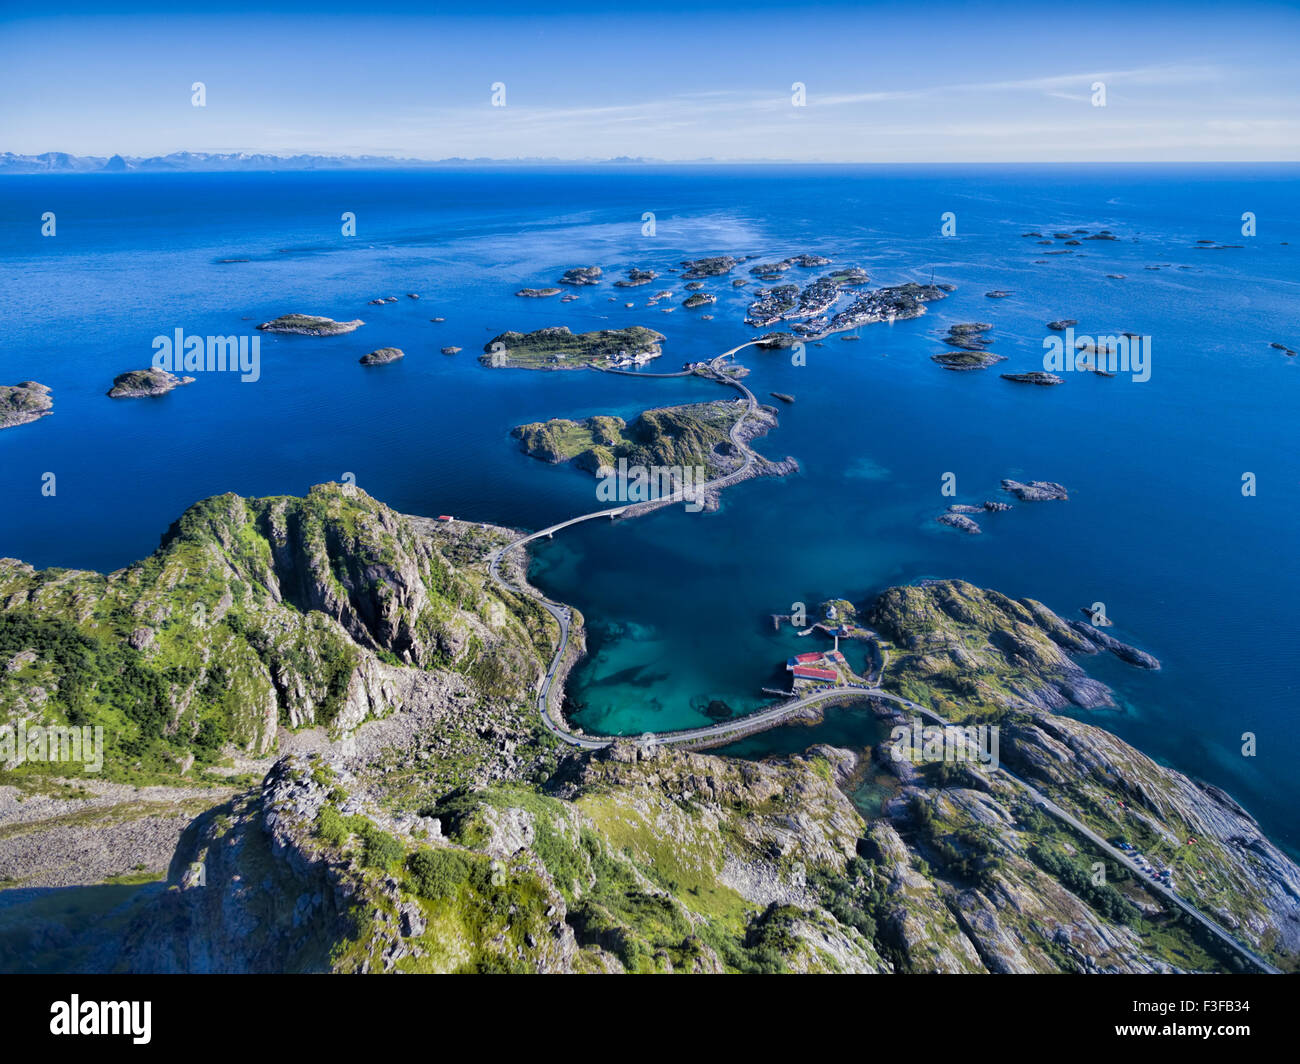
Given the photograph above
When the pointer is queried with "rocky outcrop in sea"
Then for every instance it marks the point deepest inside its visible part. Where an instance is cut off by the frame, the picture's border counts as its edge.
(1036, 490)
(311, 325)
(145, 383)
(895, 303)
(581, 276)
(23, 403)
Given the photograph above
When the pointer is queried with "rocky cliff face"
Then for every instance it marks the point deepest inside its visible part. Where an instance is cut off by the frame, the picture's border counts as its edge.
(968, 651)
(1221, 860)
(449, 836)
(253, 613)
(976, 655)
(640, 858)
(658, 862)
(974, 866)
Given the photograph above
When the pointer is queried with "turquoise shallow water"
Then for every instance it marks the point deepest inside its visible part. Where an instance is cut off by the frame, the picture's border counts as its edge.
(678, 603)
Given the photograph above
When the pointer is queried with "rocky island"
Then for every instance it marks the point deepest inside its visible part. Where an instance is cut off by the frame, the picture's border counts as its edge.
(893, 303)
(635, 278)
(699, 269)
(694, 436)
(1036, 490)
(382, 356)
(23, 403)
(772, 304)
(969, 335)
(555, 347)
(145, 384)
(967, 360)
(849, 277)
(310, 325)
(960, 522)
(580, 276)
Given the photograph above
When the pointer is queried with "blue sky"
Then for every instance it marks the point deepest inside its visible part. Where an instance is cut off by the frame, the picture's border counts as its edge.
(929, 82)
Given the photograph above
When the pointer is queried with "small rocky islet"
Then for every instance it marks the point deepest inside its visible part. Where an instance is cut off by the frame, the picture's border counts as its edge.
(962, 361)
(636, 277)
(382, 356)
(1036, 490)
(581, 276)
(145, 384)
(701, 269)
(310, 325)
(960, 522)
(971, 342)
(957, 515)
(968, 335)
(23, 403)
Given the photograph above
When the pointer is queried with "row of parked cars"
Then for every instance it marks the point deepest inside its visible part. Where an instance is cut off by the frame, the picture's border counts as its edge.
(1164, 876)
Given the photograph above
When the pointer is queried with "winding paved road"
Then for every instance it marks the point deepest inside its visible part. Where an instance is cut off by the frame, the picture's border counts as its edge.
(717, 734)
(562, 613)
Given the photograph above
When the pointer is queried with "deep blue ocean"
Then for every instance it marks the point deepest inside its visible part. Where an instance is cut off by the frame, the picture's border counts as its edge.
(1156, 527)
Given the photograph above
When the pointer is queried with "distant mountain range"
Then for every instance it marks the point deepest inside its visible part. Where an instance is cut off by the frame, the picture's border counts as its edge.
(62, 162)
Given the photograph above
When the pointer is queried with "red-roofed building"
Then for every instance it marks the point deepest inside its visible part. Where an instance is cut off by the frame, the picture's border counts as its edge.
(805, 659)
(807, 672)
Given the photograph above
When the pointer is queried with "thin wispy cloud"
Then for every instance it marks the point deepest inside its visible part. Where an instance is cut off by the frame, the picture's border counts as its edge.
(725, 89)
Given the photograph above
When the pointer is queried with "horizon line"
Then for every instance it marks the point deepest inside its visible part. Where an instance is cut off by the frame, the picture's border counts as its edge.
(409, 162)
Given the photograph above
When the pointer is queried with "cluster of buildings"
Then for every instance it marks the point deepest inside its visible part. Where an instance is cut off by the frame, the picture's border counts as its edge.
(624, 359)
(817, 667)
